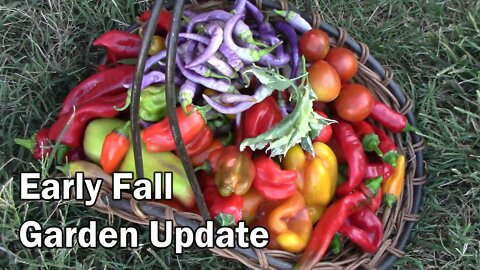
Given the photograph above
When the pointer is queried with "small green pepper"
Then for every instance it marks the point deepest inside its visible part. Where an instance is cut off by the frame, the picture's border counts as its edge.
(153, 104)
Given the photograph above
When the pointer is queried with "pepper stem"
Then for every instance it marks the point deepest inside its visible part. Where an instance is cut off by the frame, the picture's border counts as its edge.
(391, 158)
(123, 130)
(370, 143)
(336, 245)
(410, 128)
(374, 184)
(203, 110)
(62, 153)
(390, 199)
(225, 220)
(127, 103)
(269, 49)
(27, 143)
(204, 167)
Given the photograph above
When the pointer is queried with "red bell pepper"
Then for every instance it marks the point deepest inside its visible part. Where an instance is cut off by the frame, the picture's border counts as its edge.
(387, 146)
(103, 107)
(158, 137)
(326, 133)
(353, 151)
(333, 219)
(164, 19)
(201, 142)
(114, 148)
(261, 117)
(370, 140)
(217, 204)
(363, 228)
(107, 82)
(119, 44)
(271, 181)
(200, 158)
(390, 119)
(375, 170)
(234, 172)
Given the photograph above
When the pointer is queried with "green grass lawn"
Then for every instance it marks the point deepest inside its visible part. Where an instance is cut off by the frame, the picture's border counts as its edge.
(432, 46)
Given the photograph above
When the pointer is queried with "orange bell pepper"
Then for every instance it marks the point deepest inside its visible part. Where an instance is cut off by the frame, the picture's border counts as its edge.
(317, 176)
(288, 223)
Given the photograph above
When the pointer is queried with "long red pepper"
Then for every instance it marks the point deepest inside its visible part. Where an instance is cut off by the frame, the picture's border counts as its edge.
(363, 228)
(201, 142)
(164, 19)
(271, 181)
(158, 137)
(119, 44)
(387, 146)
(375, 170)
(370, 140)
(353, 151)
(390, 119)
(376, 202)
(40, 145)
(102, 107)
(107, 82)
(114, 148)
(333, 219)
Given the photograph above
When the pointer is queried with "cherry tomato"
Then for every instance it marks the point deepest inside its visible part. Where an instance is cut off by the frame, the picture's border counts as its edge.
(324, 80)
(354, 103)
(314, 45)
(343, 61)
(326, 133)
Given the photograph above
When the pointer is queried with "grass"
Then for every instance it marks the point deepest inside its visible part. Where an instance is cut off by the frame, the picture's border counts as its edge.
(432, 46)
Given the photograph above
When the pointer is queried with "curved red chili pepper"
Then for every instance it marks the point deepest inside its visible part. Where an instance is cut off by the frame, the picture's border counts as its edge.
(353, 151)
(375, 170)
(107, 82)
(370, 140)
(390, 119)
(115, 147)
(103, 107)
(364, 228)
(158, 137)
(376, 202)
(119, 44)
(271, 181)
(164, 19)
(333, 219)
(201, 157)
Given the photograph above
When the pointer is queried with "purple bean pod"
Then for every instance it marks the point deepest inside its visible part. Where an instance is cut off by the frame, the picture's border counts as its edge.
(215, 84)
(186, 93)
(152, 60)
(215, 42)
(295, 20)
(232, 58)
(229, 98)
(292, 37)
(246, 54)
(239, 6)
(219, 64)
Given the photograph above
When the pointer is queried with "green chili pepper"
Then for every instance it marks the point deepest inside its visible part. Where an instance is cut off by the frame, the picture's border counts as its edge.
(153, 105)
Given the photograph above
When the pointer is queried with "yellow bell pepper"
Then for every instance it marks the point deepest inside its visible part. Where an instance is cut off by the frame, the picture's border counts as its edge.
(317, 176)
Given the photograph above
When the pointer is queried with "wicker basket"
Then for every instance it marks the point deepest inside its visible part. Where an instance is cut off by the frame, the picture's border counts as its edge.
(398, 221)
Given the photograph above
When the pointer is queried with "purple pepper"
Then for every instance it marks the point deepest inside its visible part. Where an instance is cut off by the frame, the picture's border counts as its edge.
(152, 60)
(148, 79)
(229, 98)
(239, 6)
(292, 38)
(295, 20)
(256, 13)
(186, 93)
(215, 42)
(219, 64)
(215, 84)
(261, 93)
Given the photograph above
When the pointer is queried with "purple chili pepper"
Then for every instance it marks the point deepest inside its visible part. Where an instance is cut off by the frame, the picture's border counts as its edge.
(148, 79)
(186, 93)
(295, 20)
(188, 50)
(246, 54)
(228, 98)
(152, 60)
(239, 6)
(215, 42)
(261, 93)
(292, 38)
(232, 58)
(215, 84)
(219, 64)
(256, 13)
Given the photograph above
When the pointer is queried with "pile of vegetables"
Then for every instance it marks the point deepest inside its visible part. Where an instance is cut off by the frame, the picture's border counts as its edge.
(280, 134)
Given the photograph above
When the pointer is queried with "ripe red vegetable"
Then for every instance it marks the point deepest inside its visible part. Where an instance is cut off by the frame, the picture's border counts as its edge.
(327, 131)
(314, 45)
(343, 61)
(261, 117)
(271, 181)
(119, 44)
(164, 19)
(324, 80)
(354, 103)
(114, 148)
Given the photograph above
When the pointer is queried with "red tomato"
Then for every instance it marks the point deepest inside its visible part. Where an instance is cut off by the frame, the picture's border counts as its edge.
(314, 45)
(324, 80)
(354, 103)
(326, 133)
(343, 61)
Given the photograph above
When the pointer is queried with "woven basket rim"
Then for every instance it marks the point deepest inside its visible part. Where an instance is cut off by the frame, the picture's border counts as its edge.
(371, 72)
